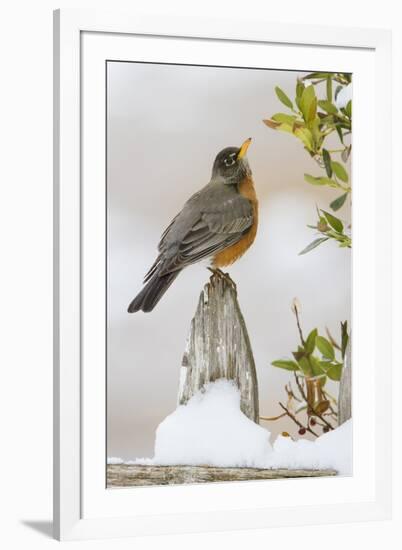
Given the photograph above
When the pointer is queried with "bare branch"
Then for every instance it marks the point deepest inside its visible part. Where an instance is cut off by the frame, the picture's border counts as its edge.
(270, 418)
(290, 415)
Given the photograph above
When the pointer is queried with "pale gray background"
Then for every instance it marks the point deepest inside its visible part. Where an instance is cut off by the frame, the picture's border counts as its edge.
(165, 126)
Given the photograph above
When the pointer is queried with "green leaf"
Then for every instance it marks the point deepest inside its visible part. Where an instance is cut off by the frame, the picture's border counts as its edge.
(320, 181)
(346, 153)
(325, 118)
(299, 88)
(322, 225)
(345, 337)
(316, 366)
(340, 171)
(339, 132)
(327, 106)
(310, 342)
(318, 137)
(335, 371)
(315, 75)
(325, 347)
(333, 221)
(325, 364)
(282, 117)
(271, 123)
(305, 366)
(313, 245)
(348, 108)
(327, 162)
(283, 127)
(299, 353)
(305, 137)
(312, 113)
(286, 364)
(308, 103)
(283, 97)
(339, 202)
(329, 88)
(337, 90)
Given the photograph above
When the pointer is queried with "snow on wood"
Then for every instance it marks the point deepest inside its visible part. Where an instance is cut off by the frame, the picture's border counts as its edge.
(133, 475)
(345, 388)
(210, 429)
(218, 346)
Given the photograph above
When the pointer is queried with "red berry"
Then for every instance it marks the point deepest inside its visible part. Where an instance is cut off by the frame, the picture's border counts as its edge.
(325, 429)
(313, 421)
(302, 431)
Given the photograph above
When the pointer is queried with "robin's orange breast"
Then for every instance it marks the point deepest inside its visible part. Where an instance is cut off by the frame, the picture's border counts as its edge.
(235, 251)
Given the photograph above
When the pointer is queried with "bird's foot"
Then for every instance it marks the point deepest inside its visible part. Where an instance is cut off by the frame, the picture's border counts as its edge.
(221, 274)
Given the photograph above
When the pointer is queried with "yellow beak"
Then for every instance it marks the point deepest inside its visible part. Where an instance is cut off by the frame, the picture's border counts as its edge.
(243, 149)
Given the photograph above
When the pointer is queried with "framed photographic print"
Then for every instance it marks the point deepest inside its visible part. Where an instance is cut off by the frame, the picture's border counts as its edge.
(222, 275)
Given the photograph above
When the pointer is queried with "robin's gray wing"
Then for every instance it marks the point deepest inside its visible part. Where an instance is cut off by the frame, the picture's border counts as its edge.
(211, 223)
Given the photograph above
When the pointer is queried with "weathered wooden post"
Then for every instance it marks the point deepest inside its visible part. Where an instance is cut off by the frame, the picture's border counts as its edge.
(218, 346)
(345, 387)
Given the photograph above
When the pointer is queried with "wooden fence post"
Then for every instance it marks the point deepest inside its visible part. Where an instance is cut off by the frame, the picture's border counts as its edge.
(345, 387)
(218, 346)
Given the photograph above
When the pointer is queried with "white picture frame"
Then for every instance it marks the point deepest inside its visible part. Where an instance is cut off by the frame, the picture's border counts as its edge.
(83, 507)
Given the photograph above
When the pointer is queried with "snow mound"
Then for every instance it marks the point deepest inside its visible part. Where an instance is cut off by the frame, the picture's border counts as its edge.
(330, 450)
(211, 429)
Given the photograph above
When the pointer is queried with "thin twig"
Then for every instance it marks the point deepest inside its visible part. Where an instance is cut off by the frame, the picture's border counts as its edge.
(336, 150)
(270, 418)
(298, 326)
(335, 402)
(291, 394)
(319, 424)
(290, 415)
(332, 412)
(332, 339)
(331, 397)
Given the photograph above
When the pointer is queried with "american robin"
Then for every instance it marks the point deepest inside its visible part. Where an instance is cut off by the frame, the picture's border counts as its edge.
(218, 222)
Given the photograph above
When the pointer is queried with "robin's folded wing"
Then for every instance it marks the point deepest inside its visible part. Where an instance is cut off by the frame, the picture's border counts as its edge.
(166, 232)
(215, 228)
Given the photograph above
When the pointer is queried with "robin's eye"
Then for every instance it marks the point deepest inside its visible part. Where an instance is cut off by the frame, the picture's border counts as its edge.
(229, 161)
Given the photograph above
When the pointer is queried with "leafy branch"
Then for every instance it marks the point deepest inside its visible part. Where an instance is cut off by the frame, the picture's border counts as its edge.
(312, 120)
(329, 227)
(314, 362)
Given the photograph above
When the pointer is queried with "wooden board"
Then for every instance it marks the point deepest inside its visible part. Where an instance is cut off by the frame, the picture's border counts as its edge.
(125, 475)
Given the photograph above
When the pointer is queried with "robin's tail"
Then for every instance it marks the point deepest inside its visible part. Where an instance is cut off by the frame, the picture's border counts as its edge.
(152, 292)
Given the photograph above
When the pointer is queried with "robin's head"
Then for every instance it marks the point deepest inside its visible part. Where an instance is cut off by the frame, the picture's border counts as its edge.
(231, 164)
